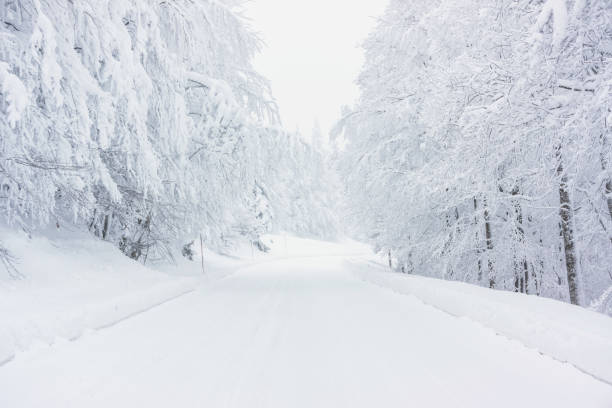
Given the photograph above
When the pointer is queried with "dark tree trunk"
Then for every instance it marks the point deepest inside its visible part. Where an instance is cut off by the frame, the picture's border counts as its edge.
(523, 275)
(105, 227)
(567, 233)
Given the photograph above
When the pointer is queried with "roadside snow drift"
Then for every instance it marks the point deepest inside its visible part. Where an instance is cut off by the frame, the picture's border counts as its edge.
(565, 332)
(73, 282)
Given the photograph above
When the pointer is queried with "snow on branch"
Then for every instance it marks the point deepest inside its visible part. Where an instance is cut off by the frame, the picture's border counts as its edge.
(15, 94)
(557, 11)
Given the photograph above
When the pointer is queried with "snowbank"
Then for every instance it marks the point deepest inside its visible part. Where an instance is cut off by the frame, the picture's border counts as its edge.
(562, 331)
(72, 282)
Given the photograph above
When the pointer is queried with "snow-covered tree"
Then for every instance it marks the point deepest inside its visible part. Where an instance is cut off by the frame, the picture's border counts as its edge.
(138, 119)
(479, 149)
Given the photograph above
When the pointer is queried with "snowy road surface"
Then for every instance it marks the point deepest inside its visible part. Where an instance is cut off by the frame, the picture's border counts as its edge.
(302, 332)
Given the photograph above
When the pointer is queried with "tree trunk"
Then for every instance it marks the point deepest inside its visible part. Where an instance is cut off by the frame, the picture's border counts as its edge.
(604, 166)
(93, 220)
(410, 265)
(489, 240)
(523, 274)
(477, 237)
(448, 247)
(537, 274)
(105, 227)
(567, 233)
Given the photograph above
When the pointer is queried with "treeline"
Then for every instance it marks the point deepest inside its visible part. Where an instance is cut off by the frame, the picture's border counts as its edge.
(481, 149)
(146, 123)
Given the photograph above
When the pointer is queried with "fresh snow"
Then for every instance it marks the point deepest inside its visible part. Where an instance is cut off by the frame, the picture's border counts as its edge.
(71, 282)
(300, 327)
(14, 93)
(144, 164)
(565, 332)
(558, 10)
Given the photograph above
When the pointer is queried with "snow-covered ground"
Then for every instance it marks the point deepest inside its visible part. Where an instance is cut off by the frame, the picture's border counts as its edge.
(563, 331)
(301, 327)
(71, 282)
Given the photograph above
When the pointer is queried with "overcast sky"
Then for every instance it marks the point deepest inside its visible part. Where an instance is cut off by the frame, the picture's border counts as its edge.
(312, 54)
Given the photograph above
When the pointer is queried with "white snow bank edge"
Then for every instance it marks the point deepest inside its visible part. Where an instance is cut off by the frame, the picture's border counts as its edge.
(101, 316)
(566, 333)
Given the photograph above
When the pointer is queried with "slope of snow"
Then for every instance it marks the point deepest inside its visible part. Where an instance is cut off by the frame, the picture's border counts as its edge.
(565, 332)
(72, 282)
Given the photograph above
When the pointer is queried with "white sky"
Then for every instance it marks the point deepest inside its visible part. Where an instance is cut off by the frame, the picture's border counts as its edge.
(312, 55)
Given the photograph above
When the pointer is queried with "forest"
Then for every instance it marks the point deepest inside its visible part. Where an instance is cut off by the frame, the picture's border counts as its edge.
(148, 126)
(481, 147)
(478, 151)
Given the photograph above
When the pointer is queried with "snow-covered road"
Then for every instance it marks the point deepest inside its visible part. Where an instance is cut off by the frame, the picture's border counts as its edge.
(302, 332)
